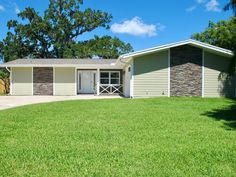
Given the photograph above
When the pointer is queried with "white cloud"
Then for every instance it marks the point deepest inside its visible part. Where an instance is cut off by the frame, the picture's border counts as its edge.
(2, 8)
(201, 1)
(16, 8)
(209, 5)
(136, 27)
(9, 6)
(190, 9)
(213, 5)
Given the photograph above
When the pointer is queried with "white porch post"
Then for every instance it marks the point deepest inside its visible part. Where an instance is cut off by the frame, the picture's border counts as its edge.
(98, 81)
(132, 81)
(168, 73)
(203, 73)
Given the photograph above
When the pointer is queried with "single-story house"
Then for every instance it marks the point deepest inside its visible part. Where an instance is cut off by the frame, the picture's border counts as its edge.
(186, 68)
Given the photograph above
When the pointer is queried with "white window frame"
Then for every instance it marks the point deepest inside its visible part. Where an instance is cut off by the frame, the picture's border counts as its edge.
(109, 77)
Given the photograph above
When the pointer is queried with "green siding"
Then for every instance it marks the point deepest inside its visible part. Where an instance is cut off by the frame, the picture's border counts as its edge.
(216, 83)
(151, 75)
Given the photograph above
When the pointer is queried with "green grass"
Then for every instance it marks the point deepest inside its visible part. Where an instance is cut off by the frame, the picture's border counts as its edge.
(121, 137)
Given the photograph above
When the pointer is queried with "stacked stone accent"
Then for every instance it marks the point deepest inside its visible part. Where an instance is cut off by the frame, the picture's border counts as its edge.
(43, 81)
(185, 71)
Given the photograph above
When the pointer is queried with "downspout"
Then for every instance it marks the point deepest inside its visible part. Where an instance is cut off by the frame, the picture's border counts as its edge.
(8, 69)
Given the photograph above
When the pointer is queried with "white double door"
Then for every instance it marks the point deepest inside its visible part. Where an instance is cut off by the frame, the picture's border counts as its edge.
(86, 82)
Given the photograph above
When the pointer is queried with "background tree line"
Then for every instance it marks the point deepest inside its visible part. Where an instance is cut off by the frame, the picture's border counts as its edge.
(222, 34)
(56, 34)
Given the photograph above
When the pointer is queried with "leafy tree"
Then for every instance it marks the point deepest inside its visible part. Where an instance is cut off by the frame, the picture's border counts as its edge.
(27, 39)
(56, 33)
(221, 34)
(231, 5)
(68, 22)
(103, 47)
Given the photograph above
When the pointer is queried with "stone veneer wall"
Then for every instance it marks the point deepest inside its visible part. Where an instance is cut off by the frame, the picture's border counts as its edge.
(185, 71)
(43, 81)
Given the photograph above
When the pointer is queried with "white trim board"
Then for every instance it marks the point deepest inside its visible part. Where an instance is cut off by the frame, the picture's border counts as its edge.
(54, 77)
(169, 73)
(132, 81)
(76, 82)
(98, 81)
(32, 80)
(203, 73)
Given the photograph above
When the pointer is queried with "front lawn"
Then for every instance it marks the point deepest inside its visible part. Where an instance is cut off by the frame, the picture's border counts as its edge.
(120, 137)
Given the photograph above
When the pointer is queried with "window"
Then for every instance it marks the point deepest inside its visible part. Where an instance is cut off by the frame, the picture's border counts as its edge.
(110, 78)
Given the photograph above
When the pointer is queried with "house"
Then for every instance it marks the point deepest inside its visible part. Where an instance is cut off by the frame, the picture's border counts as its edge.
(186, 68)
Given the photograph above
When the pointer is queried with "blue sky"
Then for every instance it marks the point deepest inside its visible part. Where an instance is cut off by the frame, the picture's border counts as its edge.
(143, 23)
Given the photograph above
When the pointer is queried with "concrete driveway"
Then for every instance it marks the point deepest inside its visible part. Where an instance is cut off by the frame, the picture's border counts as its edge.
(7, 102)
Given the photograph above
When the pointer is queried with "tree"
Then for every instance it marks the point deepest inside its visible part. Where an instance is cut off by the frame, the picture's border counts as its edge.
(30, 39)
(221, 34)
(231, 5)
(68, 22)
(56, 33)
(103, 47)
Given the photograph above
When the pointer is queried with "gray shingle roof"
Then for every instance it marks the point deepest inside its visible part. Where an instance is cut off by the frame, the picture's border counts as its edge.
(51, 62)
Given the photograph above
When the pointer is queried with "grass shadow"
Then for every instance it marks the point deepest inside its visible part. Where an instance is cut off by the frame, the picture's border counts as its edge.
(228, 114)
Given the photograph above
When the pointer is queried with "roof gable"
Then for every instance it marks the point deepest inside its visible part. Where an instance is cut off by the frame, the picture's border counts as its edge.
(222, 51)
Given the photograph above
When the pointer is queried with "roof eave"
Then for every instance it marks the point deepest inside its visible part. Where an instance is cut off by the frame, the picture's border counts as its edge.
(66, 66)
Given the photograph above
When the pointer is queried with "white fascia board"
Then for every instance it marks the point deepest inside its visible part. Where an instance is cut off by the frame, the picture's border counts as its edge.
(213, 48)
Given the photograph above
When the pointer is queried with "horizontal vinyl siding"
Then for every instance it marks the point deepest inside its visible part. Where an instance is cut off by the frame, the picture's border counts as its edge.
(65, 83)
(22, 81)
(151, 75)
(216, 84)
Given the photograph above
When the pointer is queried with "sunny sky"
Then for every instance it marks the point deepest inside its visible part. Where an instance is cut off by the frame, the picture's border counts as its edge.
(143, 23)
